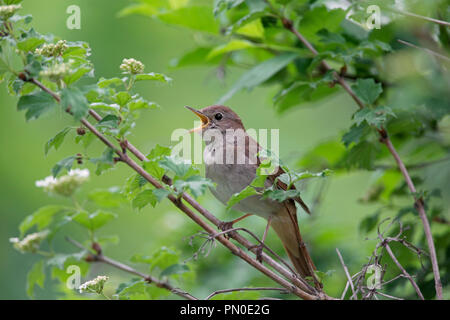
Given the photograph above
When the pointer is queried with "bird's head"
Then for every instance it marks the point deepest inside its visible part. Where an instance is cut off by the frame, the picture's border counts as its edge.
(217, 117)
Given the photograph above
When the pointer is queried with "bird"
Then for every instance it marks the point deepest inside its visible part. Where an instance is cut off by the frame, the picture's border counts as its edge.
(232, 166)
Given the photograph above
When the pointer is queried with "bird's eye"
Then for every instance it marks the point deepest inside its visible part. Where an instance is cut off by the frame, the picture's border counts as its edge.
(218, 116)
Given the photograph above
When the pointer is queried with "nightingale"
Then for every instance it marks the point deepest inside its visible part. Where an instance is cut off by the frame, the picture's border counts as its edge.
(231, 159)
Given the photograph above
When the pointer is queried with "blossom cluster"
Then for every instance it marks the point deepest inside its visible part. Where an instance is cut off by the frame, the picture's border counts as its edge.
(30, 243)
(7, 11)
(94, 286)
(65, 185)
(132, 66)
(52, 49)
(56, 72)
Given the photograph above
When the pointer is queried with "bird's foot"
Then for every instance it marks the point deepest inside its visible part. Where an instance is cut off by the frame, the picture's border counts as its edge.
(259, 251)
(225, 226)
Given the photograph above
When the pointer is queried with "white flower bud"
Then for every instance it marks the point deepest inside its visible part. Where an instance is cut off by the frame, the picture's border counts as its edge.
(8, 11)
(65, 185)
(30, 243)
(132, 66)
(94, 286)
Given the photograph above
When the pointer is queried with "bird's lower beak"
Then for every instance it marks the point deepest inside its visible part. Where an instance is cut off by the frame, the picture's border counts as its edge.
(205, 119)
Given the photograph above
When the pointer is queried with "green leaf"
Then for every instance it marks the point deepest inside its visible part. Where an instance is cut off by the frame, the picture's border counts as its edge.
(36, 104)
(105, 161)
(158, 152)
(320, 18)
(141, 104)
(161, 194)
(136, 290)
(355, 134)
(233, 45)
(152, 76)
(36, 276)
(362, 155)
(281, 195)
(94, 220)
(373, 117)
(104, 83)
(154, 169)
(238, 197)
(196, 184)
(122, 98)
(73, 99)
(367, 90)
(369, 223)
(253, 29)
(57, 140)
(41, 218)
(194, 17)
(29, 44)
(197, 56)
(175, 164)
(144, 198)
(65, 163)
(174, 269)
(77, 74)
(259, 74)
(110, 198)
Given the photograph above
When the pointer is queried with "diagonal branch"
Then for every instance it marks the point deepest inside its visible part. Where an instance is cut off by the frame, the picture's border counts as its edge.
(384, 138)
(297, 286)
(282, 290)
(99, 257)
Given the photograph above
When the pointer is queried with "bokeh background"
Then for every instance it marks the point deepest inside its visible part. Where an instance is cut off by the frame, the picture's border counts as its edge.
(22, 160)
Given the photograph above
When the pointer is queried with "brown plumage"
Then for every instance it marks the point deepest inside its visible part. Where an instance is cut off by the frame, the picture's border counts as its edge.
(232, 178)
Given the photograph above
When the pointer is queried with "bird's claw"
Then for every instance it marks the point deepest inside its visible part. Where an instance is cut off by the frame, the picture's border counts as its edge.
(225, 226)
(259, 251)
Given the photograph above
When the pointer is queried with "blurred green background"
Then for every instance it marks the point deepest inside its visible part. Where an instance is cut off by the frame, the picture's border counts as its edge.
(22, 160)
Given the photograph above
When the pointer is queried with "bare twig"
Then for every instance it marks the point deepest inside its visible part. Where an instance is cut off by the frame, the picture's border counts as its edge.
(384, 138)
(409, 44)
(349, 278)
(245, 289)
(418, 16)
(97, 256)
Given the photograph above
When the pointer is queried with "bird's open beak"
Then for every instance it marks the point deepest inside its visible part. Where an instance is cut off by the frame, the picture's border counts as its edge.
(205, 119)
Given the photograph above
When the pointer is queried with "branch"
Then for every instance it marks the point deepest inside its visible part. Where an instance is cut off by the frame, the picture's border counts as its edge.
(244, 289)
(297, 287)
(384, 138)
(349, 278)
(99, 257)
(417, 16)
(409, 44)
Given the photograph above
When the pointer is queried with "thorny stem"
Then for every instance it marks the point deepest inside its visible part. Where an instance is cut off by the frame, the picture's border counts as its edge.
(384, 138)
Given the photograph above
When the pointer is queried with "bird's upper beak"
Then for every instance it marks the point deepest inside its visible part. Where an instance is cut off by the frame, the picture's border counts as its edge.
(205, 119)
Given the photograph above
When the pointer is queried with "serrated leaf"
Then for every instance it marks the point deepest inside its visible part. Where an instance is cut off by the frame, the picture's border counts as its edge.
(238, 197)
(104, 83)
(154, 169)
(35, 277)
(110, 198)
(36, 104)
(161, 194)
(175, 164)
(29, 44)
(367, 90)
(196, 184)
(40, 218)
(144, 198)
(57, 140)
(280, 195)
(194, 17)
(355, 134)
(94, 220)
(141, 104)
(73, 99)
(259, 74)
(174, 269)
(153, 76)
(65, 163)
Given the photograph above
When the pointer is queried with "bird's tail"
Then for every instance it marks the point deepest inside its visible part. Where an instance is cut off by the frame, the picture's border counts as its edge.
(286, 227)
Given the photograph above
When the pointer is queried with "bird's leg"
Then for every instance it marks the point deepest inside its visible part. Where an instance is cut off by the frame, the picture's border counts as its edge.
(259, 247)
(227, 225)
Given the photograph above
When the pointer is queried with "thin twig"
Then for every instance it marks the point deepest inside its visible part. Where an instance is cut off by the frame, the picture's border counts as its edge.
(349, 278)
(384, 138)
(297, 287)
(99, 257)
(417, 16)
(409, 44)
(405, 273)
(283, 290)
